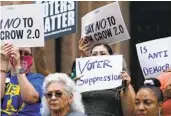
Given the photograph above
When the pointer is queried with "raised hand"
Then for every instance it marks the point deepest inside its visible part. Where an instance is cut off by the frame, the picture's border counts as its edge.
(83, 48)
(126, 77)
(5, 49)
(15, 56)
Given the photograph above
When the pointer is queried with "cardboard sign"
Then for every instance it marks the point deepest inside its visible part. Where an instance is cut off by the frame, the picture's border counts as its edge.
(154, 56)
(104, 25)
(22, 25)
(60, 18)
(99, 72)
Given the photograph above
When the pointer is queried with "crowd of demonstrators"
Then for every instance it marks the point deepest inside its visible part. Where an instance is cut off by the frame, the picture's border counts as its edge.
(61, 97)
(111, 102)
(165, 79)
(20, 89)
(149, 99)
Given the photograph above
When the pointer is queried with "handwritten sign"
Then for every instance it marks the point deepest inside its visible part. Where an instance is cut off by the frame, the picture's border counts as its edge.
(104, 25)
(99, 73)
(22, 25)
(154, 56)
(60, 18)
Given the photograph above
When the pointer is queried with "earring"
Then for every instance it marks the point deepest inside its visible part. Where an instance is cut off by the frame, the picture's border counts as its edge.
(159, 112)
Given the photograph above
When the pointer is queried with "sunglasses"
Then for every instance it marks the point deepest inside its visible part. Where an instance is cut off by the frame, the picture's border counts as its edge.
(57, 94)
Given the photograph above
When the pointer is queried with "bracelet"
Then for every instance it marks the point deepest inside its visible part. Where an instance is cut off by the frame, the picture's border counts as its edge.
(4, 71)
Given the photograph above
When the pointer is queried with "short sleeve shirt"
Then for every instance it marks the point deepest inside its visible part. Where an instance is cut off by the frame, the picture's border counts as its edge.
(12, 103)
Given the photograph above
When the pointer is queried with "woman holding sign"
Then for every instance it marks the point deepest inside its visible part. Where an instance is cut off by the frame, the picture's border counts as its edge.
(20, 88)
(111, 102)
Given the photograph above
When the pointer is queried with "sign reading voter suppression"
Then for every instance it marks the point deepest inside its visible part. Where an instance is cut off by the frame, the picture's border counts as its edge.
(99, 73)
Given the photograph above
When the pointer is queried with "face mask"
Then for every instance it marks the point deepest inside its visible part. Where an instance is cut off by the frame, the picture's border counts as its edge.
(26, 63)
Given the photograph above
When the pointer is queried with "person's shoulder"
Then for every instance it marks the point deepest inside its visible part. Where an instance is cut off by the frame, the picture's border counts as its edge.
(75, 113)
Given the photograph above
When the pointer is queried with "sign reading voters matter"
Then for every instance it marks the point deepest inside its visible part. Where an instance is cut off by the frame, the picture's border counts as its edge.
(60, 18)
(22, 25)
(104, 25)
(99, 73)
(154, 56)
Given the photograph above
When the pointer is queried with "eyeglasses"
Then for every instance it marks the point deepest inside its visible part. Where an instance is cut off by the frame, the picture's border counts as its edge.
(57, 94)
(25, 53)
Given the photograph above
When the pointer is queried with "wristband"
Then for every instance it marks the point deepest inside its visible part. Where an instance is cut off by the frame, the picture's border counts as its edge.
(20, 71)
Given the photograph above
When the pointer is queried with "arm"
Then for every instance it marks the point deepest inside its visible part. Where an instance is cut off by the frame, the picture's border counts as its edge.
(127, 100)
(27, 91)
(127, 96)
(39, 62)
(4, 65)
(83, 49)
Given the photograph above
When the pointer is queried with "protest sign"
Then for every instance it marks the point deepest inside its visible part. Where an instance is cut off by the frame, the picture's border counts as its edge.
(22, 25)
(154, 56)
(104, 25)
(60, 18)
(99, 72)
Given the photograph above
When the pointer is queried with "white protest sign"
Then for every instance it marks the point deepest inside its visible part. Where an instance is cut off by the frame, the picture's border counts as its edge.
(104, 25)
(22, 25)
(99, 72)
(154, 56)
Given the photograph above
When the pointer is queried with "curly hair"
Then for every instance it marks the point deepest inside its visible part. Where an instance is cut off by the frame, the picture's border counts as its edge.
(70, 87)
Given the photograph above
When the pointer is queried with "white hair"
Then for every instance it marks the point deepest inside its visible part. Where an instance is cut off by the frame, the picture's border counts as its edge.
(76, 104)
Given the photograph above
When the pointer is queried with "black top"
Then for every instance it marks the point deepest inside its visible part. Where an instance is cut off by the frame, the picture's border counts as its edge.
(102, 103)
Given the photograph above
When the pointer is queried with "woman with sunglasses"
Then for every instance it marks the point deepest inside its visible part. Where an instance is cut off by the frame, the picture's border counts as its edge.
(113, 102)
(60, 97)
